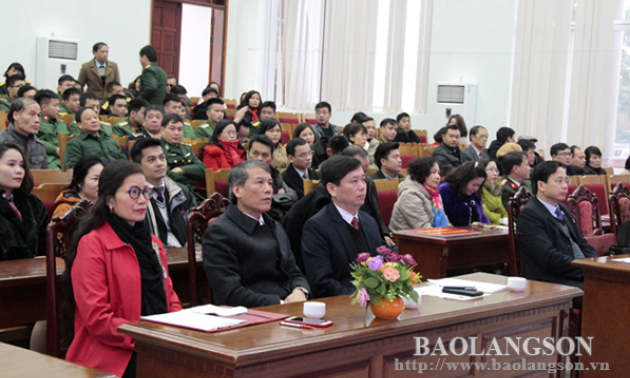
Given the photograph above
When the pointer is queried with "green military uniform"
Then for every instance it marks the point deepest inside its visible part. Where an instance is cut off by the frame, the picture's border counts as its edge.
(153, 84)
(253, 129)
(86, 144)
(509, 189)
(63, 109)
(4, 89)
(73, 128)
(204, 130)
(49, 129)
(104, 107)
(125, 128)
(5, 103)
(189, 132)
(181, 155)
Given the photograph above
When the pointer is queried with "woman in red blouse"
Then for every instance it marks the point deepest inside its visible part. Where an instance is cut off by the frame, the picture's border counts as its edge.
(223, 151)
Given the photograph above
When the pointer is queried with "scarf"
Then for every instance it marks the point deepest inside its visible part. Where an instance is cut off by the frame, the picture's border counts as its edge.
(439, 219)
(151, 271)
(254, 114)
(231, 151)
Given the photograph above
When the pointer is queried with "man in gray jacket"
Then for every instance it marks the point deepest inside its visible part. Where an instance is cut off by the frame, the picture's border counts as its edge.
(24, 116)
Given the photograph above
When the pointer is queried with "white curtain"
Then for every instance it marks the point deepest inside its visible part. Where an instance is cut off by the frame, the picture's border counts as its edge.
(395, 56)
(424, 55)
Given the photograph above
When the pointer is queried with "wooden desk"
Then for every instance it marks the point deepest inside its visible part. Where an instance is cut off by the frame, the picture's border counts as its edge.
(357, 345)
(23, 285)
(437, 254)
(18, 362)
(605, 311)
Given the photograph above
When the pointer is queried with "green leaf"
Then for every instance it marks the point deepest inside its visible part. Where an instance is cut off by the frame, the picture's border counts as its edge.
(371, 282)
(376, 301)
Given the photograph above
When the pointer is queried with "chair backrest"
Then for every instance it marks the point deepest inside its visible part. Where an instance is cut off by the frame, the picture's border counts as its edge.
(122, 140)
(615, 179)
(195, 100)
(67, 119)
(310, 118)
(310, 185)
(231, 104)
(409, 149)
(197, 146)
(196, 226)
(41, 176)
(515, 206)
(63, 141)
(49, 191)
(609, 170)
(601, 191)
(585, 210)
(58, 235)
(230, 113)
(370, 172)
(619, 206)
(196, 122)
(385, 184)
(427, 150)
(112, 120)
(4, 120)
(423, 135)
(217, 182)
(387, 196)
(286, 137)
(285, 117)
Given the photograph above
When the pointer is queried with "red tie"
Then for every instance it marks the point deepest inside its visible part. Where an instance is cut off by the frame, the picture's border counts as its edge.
(355, 223)
(19, 215)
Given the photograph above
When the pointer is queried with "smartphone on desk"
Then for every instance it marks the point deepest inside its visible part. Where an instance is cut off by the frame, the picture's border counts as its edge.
(322, 323)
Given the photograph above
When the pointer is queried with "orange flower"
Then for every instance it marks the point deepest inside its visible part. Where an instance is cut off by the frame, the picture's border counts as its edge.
(391, 274)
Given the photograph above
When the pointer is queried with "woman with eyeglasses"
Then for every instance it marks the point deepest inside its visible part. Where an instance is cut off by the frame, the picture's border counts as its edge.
(593, 161)
(491, 193)
(460, 193)
(116, 271)
(224, 150)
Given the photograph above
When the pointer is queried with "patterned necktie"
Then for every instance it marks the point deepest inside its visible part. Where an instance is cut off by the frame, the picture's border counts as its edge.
(305, 176)
(355, 223)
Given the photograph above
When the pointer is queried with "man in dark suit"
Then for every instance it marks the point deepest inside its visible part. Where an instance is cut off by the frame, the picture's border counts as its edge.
(99, 72)
(447, 154)
(549, 238)
(561, 152)
(478, 138)
(301, 158)
(335, 236)
(153, 79)
(388, 161)
(246, 254)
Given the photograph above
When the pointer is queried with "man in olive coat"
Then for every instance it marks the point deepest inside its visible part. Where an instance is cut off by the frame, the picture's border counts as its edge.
(153, 79)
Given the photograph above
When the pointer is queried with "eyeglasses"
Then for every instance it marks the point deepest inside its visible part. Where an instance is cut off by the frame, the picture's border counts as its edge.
(560, 181)
(492, 170)
(17, 86)
(565, 154)
(134, 192)
(170, 85)
(229, 132)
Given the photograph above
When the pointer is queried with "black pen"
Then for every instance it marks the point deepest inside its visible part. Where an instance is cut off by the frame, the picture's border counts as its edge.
(472, 288)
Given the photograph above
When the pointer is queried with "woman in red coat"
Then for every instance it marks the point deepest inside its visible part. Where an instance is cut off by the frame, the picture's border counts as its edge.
(117, 272)
(223, 151)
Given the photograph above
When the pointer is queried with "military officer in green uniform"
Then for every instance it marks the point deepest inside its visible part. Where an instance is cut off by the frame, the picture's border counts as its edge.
(136, 110)
(183, 164)
(70, 102)
(65, 82)
(91, 141)
(214, 111)
(516, 166)
(173, 105)
(113, 88)
(50, 127)
(153, 79)
(14, 83)
(13, 69)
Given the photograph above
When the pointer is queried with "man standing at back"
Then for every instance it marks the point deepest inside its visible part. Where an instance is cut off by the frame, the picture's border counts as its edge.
(153, 79)
(99, 72)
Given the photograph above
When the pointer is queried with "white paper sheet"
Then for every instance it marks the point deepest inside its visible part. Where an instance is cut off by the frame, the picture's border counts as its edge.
(488, 288)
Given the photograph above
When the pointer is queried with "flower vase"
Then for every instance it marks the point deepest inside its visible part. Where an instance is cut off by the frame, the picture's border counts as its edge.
(388, 309)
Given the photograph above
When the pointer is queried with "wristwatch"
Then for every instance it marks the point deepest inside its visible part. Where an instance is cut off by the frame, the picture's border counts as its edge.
(303, 290)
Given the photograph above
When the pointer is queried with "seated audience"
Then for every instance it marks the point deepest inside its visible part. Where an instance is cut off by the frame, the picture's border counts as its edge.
(507, 148)
(71, 100)
(491, 193)
(136, 109)
(333, 238)
(389, 129)
(372, 142)
(65, 82)
(549, 238)
(223, 151)
(214, 114)
(323, 128)
(460, 194)
(388, 161)
(118, 106)
(181, 92)
(561, 152)
(112, 88)
(249, 110)
(27, 91)
(504, 135)
(419, 204)
(358, 117)
(271, 128)
(437, 137)
(174, 105)
(24, 119)
(90, 100)
(458, 121)
(356, 133)
(14, 83)
(199, 111)
(305, 131)
(23, 217)
(84, 184)
(13, 69)
(300, 158)
(478, 139)
(593, 161)
(242, 131)
(516, 171)
(267, 110)
(447, 153)
(91, 141)
(170, 202)
(152, 127)
(49, 126)
(246, 254)
(116, 271)
(404, 133)
(133, 88)
(530, 149)
(532, 139)
(579, 160)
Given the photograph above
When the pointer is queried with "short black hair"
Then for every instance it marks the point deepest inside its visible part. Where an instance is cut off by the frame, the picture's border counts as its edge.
(87, 96)
(293, 144)
(527, 145)
(420, 168)
(69, 92)
(136, 150)
(504, 133)
(13, 78)
(465, 173)
(116, 97)
(243, 123)
(444, 130)
(269, 104)
(388, 121)
(153, 107)
(359, 117)
(207, 90)
(15, 66)
(218, 130)
(214, 101)
(79, 113)
(337, 144)
(178, 89)
(475, 130)
(64, 78)
(573, 148)
(401, 116)
(556, 148)
(262, 139)
(171, 117)
(171, 98)
(353, 129)
(542, 171)
(149, 52)
(323, 104)
(590, 151)
(110, 86)
(97, 46)
(509, 160)
(44, 96)
(136, 104)
(383, 151)
(437, 137)
(335, 168)
(268, 124)
(301, 127)
(25, 89)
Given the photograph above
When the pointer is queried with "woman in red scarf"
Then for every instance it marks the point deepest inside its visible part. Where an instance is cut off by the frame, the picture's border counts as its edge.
(223, 151)
(252, 103)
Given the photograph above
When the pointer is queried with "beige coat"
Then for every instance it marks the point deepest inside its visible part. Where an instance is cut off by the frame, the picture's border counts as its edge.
(413, 209)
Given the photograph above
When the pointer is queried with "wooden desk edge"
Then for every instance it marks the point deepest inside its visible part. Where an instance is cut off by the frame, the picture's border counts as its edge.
(605, 268)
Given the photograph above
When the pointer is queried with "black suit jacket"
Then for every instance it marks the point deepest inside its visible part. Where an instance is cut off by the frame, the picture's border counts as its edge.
(547, 252)
(448, 158)
(328, 250)
(379, 175)
(292, 178)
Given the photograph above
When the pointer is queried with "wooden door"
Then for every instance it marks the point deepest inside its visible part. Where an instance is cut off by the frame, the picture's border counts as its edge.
(165, 34)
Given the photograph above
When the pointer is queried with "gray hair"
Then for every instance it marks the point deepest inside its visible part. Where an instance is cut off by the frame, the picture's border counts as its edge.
(18, 105)
(240, 173)
(353, 151)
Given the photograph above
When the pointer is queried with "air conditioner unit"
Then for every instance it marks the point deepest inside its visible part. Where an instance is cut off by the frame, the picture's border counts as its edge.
(456, 98)
(55, 57)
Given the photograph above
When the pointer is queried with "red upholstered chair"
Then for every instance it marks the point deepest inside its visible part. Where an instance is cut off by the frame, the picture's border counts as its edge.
(599, 190)
(386, 201)
(406, 159)
(217, 182)
(515, 206)
(286, 137)
(585, 210)
(619, 206)
(310, 118)
(58, 236)
(199, 219)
